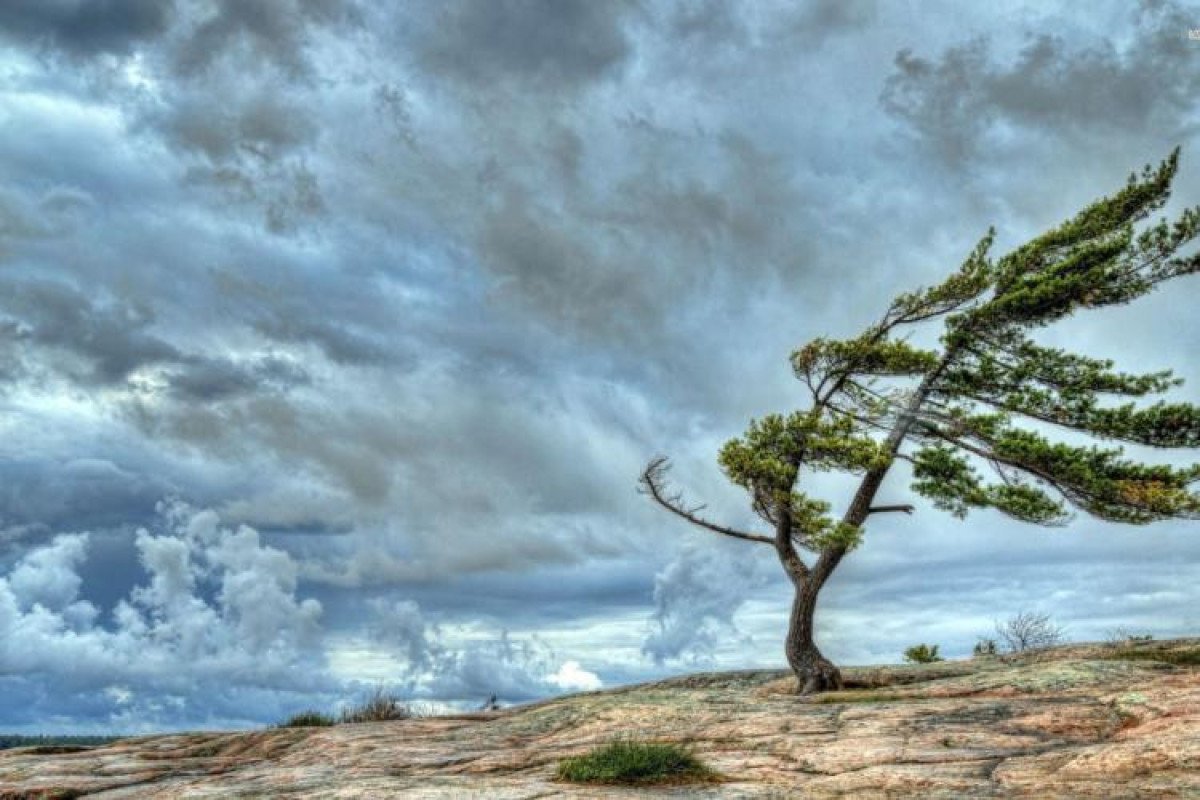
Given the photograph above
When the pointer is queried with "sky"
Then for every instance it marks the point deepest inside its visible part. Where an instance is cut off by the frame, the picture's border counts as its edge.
(334, 335)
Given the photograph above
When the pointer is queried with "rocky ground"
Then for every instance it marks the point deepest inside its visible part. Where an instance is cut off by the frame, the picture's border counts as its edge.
(1098, 721)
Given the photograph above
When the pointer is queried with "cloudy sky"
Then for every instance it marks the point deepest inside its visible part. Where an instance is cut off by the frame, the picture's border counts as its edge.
(334, 334)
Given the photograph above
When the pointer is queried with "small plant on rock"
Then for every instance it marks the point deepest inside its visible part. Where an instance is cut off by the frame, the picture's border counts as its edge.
(922, 654)
(1029, 631)
(625, 761)
(1122, 636)
(308, 719)
(379, 706)
(983, 648)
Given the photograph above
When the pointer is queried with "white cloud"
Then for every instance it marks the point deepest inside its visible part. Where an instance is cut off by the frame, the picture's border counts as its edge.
(696, 597)
(48, 575)
(430, 662)
(573, 677)
(218, 612)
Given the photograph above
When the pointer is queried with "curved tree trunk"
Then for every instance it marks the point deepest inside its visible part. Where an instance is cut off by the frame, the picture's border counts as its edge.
(814, 672)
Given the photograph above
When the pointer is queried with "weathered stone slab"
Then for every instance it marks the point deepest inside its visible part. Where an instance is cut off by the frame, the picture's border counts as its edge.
(1084, 721)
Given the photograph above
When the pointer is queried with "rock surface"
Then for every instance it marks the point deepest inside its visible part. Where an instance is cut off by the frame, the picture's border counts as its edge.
(1084, 721)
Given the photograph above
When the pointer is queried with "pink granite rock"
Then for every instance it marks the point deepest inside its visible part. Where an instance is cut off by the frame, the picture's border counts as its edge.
(1084, 721)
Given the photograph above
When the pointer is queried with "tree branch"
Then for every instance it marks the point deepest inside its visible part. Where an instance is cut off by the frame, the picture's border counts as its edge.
(860, 506)
(905, 507)
(785, 547)
(652, 483)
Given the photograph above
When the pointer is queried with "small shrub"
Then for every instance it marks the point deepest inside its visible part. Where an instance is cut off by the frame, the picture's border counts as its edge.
(625, 761)
(922, 654)
(983, 648)
(308, 719)
(379, 706)
(1029, 631)
(1121, 635)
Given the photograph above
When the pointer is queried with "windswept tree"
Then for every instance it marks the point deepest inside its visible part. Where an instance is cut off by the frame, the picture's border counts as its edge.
(975, 416)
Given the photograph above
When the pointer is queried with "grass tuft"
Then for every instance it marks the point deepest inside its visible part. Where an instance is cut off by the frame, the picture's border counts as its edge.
(308, 719)
(379, 706)
(625, 761)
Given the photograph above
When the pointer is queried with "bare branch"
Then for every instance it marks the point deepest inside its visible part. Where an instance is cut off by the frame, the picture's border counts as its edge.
(905, 507)
(653, 483)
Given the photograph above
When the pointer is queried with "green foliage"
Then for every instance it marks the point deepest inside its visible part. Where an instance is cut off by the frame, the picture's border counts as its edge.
(971, 280)
(868, 354)
(308, 719)
(922, 654)
(625, 761)
(766, 459)
(947, 478)
(989, 377)
(1094, 258)
(999, 366)
(765, 462)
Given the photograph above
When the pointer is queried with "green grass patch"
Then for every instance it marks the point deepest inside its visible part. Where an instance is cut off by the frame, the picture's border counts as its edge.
(1188, 657)
(629, 762)
(308, 719)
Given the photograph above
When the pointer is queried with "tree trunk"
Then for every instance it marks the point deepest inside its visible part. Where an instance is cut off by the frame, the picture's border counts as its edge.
(814, 673)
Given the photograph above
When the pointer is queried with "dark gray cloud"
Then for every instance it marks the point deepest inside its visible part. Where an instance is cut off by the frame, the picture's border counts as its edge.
(540, 43)
(818, 19)
(1145, 79)
(339, 341)
(206, 380)
(86, 27)
(102, 343)
(77, 494)
(266, 125)
(257, 32)
(99, 343)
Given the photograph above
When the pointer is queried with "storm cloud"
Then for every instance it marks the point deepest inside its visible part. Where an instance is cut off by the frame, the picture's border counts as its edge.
(84, 28)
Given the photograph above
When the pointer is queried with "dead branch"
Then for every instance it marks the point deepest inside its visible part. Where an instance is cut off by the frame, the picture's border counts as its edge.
(653, 483)
(905, 507)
